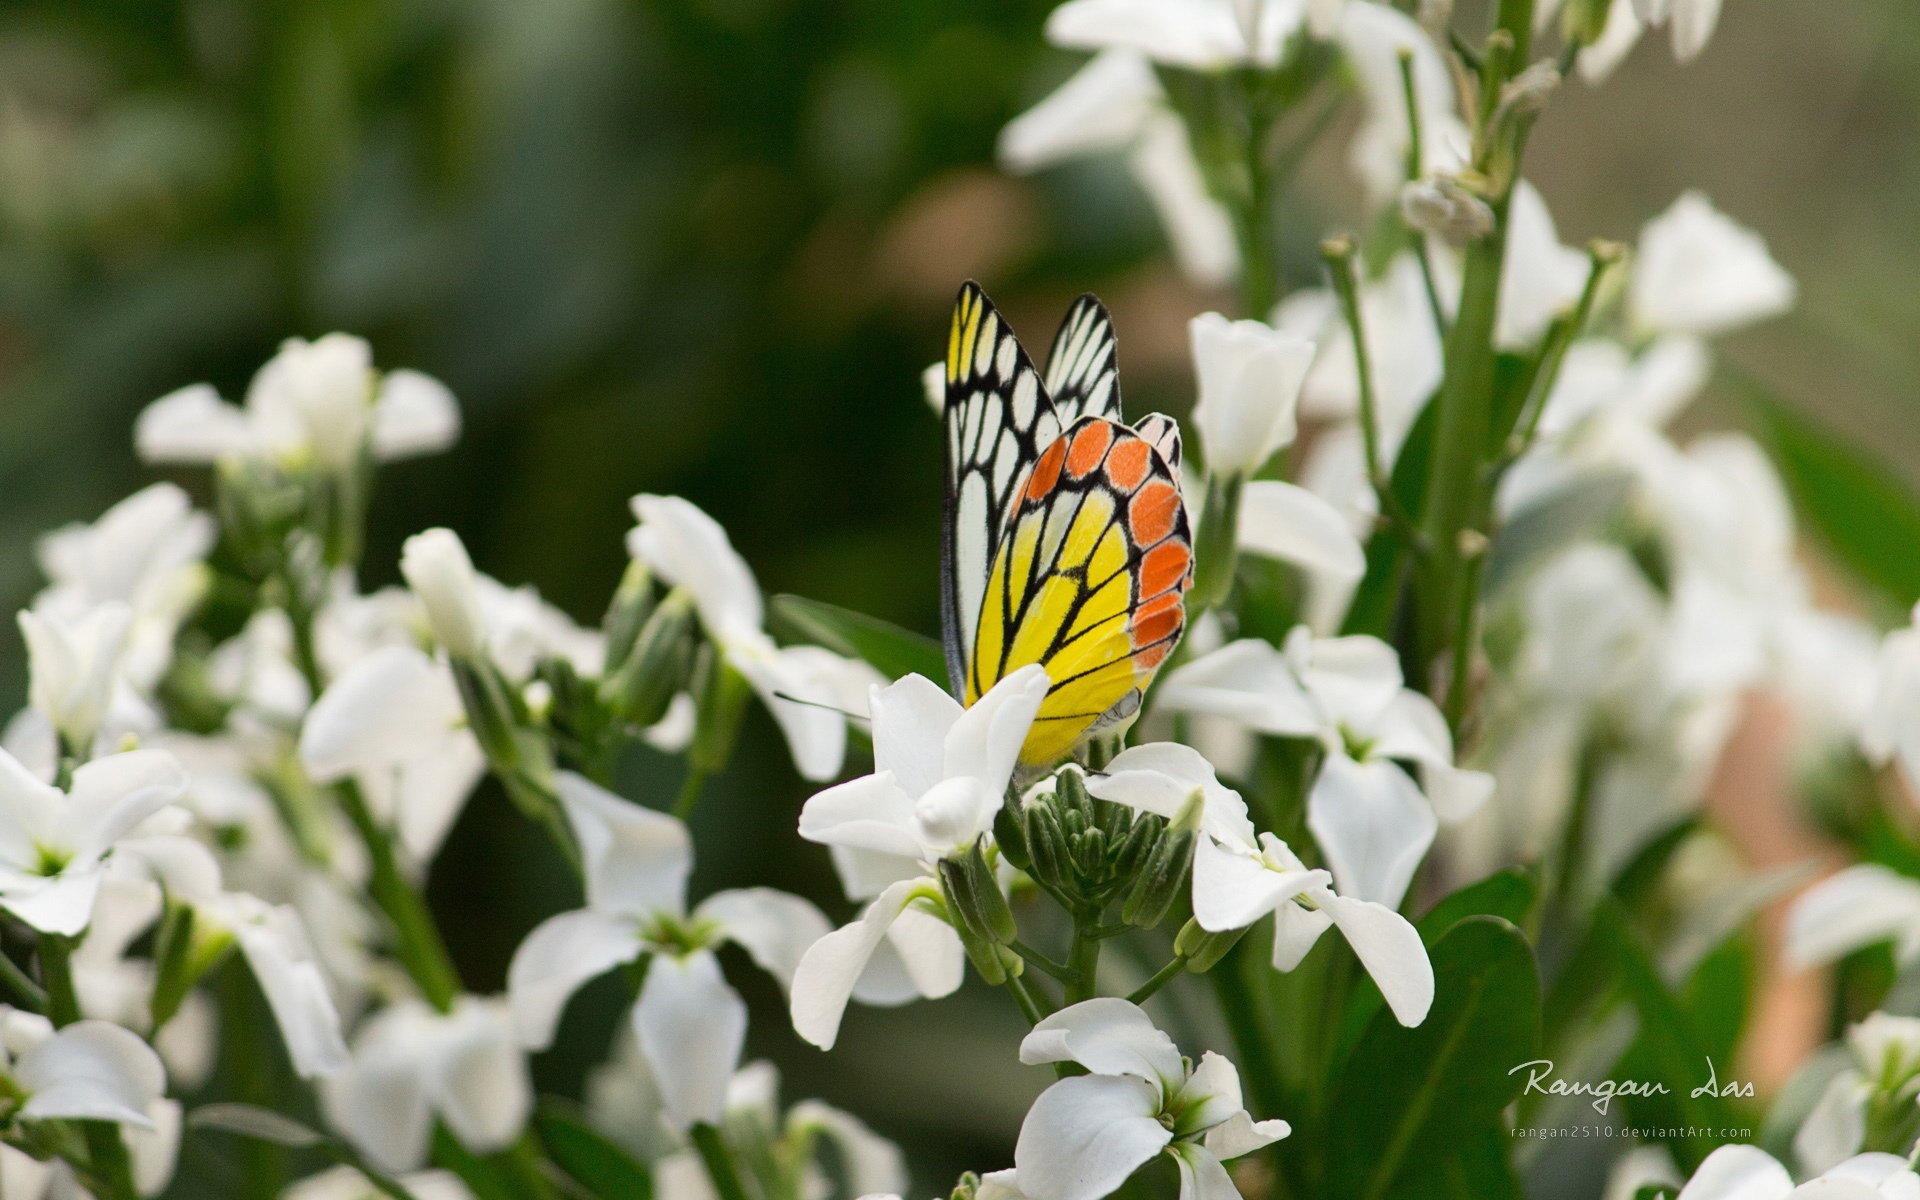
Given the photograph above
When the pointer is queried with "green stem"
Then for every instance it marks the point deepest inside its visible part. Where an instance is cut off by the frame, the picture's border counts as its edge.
(1600, 256)
(418, 940)
(106, 1150)
(1031, 1006)
(719, 1162)
(1338, 254)
(263, 1167)
(1034, 958)
(690, 789)
(1159, 979)
(521, 1163)
(21, 990)
(1083, 960)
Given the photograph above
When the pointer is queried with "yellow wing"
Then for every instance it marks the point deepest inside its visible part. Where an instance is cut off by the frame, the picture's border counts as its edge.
(1089, 580)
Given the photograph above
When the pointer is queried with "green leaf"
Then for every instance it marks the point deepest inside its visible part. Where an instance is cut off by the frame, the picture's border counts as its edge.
(1508, 895)
(882, 645)
(1409, 1102)
(589, 1158)
(1853, 501)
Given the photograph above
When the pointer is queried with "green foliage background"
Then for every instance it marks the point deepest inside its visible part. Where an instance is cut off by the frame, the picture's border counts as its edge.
(705, 246)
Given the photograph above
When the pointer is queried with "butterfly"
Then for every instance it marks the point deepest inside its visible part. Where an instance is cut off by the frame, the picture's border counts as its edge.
(1065, 540)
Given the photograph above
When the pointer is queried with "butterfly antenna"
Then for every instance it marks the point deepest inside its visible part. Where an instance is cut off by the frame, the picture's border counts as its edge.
(790, 698)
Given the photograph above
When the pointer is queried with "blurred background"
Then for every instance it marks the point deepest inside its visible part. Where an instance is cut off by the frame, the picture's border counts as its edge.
(705, 247)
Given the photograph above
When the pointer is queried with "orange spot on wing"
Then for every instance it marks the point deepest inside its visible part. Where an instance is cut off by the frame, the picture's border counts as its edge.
(1127, 465)
(1046, 471)
(1089, 447)
(1156, 628)
(1164, 568)
(1151, 657)
(1151, 512)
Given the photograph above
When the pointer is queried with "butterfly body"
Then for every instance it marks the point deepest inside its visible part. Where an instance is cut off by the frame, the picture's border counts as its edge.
(1066, 542)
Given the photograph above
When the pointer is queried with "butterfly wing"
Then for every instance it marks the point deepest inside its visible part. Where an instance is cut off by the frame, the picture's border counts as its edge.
(1089, 580)
(1083, 366)
(997, 416)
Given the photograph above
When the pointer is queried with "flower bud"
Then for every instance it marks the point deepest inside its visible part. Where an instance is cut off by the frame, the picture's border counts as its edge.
(1250, 376)
(1528, 92)
(1443, 207)
(1047, 845)
(627, 612)
(1162, 879)
(720, 697)
(1203, 949)
(72, 667)
(974, 897)
(658, 666)
(438, 570)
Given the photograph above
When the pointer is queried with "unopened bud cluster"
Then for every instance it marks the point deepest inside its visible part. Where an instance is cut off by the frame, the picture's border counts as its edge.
(1091, 853)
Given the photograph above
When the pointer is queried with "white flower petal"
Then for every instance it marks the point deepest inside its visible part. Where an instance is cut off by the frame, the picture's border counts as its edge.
(91, 1070)
(1390, 949)
(869, 813)
(1856, 907)
(1738, 1173)
(1372, 824)
(1158, 778)
(691, 1025)
(480, 1085)
(689, 549)
(774, 927)
(984, 742)
(636, 860)
(1699, 272)
(1232, 889)
(828, 971)
(1102, 107)
(391, 706)
(1247, 681)
(557, 959)
(192, 426)
(297, 994)
(1086, 1136)
(1108, 1036)
(1249, 382)
(911, 721)
(413, 414)
(1287, 522)
(1202, 1177)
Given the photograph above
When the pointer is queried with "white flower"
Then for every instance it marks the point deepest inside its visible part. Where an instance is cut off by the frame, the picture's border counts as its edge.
(1103, 107)
(274, 942)
(318, 401)
(1198, 226)
(1286, 522)
(1373, 37)
(940, 776)
(803, 687)
(1750, 1173)
(1860, 906)
(90, 1070)
(1250, 376)
(1891, 732)
(345, 1183)
(1698, 272)
(1202, 35)
(395, 722)
(1086, 1135)
(689, 1020)
(1240, 877)
(145, 552)
(73, 666)
(1115, 104)
(54, 845)
(412, 1064)
(441, 575)
(1371, 819)
(1885, 1069)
